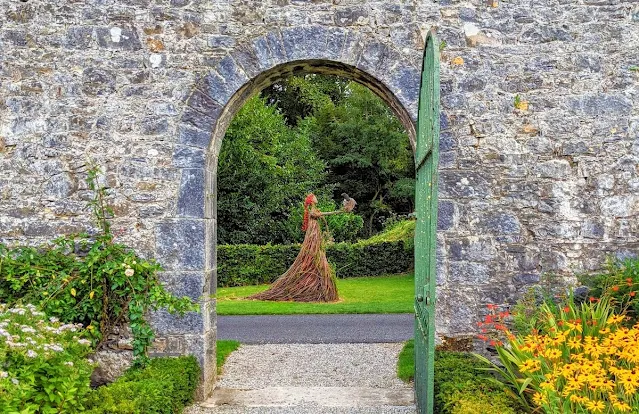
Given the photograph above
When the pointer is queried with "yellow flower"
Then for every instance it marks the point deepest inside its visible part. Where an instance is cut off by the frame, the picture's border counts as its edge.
(530, 365)
(595, 406)
(574, 343)
(621, 406)
(614, 319)
(553, 354)
(539, 399)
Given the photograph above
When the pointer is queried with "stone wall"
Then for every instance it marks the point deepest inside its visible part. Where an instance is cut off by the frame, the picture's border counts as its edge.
(145, 88)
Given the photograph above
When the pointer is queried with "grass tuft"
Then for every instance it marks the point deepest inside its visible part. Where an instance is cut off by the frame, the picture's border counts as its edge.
(224, 349)
(406, 362)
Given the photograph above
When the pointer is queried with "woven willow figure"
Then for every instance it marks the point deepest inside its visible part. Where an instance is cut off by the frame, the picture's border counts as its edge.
(310, 277)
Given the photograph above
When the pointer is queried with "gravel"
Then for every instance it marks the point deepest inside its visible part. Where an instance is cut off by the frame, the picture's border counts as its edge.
(300, 410)
(312, 365)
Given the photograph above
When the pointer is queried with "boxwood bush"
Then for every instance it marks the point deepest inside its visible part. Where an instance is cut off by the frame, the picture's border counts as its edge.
(462, 387)
(164, 386)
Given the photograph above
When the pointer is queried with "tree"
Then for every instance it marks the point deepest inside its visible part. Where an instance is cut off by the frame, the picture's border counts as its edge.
(298, 97)
(265, 170)
(367, 152)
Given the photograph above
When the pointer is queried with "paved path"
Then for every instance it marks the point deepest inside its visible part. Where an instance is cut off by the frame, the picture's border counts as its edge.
(316, 329)
(310, 379)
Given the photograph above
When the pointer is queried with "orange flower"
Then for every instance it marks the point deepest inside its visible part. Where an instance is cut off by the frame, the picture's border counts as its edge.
(615, 288)
(567, 309)
(632, 294)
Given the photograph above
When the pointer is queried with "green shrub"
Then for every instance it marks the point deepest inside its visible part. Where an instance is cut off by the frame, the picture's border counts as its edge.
(242, 265)
(462, 387)
(43, 368)
(164, 386)
(620, 282)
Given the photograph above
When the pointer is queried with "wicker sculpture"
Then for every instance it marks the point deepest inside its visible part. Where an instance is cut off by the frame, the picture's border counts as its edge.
(310, 277)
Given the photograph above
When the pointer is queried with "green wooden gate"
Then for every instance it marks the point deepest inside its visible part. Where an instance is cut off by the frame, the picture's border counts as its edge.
(426, 160)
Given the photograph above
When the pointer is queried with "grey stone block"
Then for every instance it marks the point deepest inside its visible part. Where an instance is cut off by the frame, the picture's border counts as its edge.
(304, 42)
(78, 37)
(445, 215)
(453, 184)
(527, 278)
(189, 157)
(180, 244)
(204, 104)
(469, 273)
(118, 38)
(600, 105)
(189, 135)
(97, 82)
(500, 223)
(191, 195)
(472, 249)
(197, 119)
(233, 75)
(245, 56)
(189, 284)
(164, 323)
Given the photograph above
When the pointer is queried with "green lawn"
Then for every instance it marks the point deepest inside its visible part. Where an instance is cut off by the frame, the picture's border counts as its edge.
(380, 294)
(224, 349)
(406, 362)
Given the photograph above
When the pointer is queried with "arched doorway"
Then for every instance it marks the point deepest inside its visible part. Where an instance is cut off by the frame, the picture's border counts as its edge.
(214, 100)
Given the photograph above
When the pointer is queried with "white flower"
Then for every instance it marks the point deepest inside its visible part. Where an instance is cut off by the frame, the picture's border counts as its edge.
(31, 354)
(54, 347)
(53, 319)
(27, 329)
(69, 363)
(15, 381)
(84, 342)
(129, 272)
(4, 374)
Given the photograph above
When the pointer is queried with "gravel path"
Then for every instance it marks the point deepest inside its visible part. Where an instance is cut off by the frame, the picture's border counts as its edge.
(317, 365)
(316, 329)
(255, 367)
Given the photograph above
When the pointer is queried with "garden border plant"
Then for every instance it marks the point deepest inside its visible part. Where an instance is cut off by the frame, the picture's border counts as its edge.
(90, 279)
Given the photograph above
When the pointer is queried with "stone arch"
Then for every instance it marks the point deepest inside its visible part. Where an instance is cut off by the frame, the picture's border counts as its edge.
(186, 243)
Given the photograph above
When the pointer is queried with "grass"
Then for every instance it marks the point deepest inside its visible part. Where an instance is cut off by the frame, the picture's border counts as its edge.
(380, 294)
(224, 349)
(406, 362)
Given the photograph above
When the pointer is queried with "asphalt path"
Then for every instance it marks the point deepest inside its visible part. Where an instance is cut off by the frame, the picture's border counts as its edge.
(316, 329)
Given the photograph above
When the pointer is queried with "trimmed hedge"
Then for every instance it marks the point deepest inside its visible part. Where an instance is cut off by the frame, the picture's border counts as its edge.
(246, 264)
(164, 386)
(461, 387)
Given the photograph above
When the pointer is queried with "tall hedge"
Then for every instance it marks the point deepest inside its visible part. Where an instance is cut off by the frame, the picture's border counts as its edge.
(246, 264)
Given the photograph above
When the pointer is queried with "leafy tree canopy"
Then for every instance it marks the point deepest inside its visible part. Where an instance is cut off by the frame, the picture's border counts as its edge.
(312, 133)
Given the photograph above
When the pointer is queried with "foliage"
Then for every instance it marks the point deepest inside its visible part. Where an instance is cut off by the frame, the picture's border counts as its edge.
(42, 363)
(223, 350)
(265, 170)
(241, 265)
(379, 294)
(461, 387)
(619, 282)
(164, 386)
(298, 97)
(367, 152)
(343, 227)
(396, 231)
(89, 280)
(583, 360)
(406, 362)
